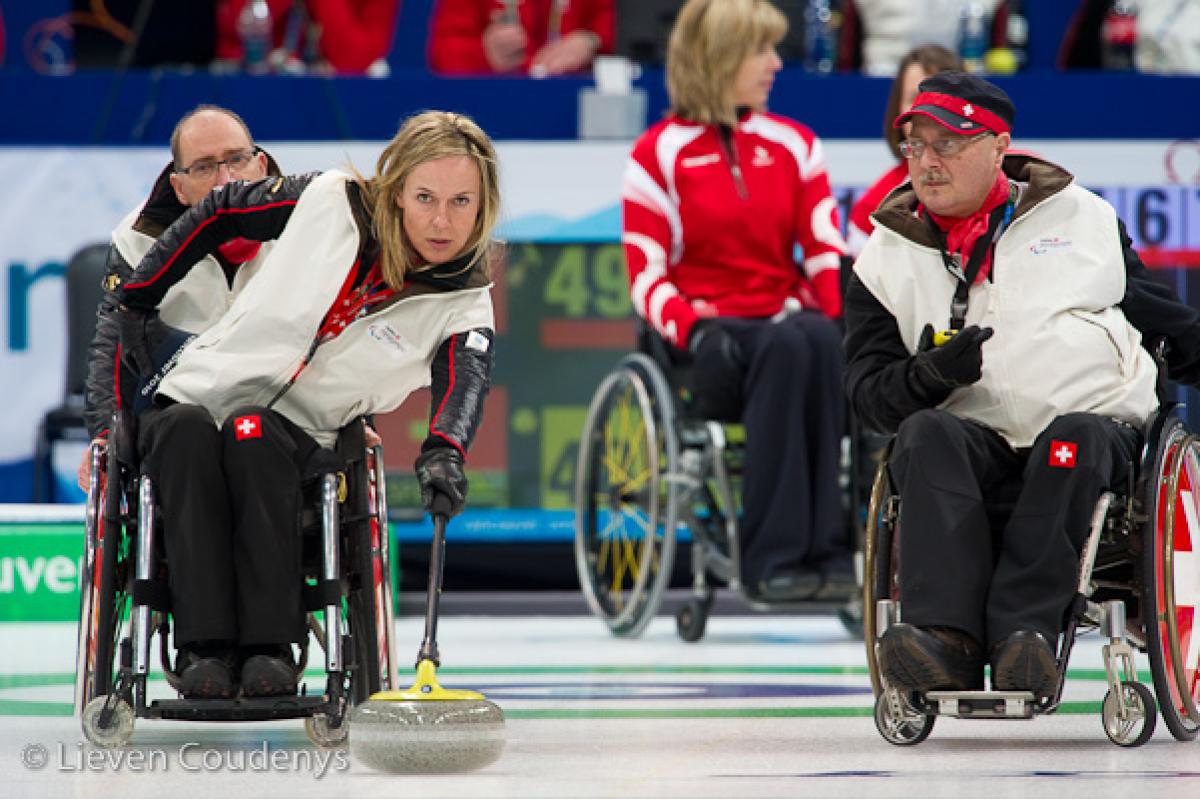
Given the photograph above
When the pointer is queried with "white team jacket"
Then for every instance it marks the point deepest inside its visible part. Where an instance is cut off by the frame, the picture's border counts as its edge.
(1061, 344)
(251, 353)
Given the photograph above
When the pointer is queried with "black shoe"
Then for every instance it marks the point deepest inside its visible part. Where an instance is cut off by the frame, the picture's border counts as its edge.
(788, 586)
(931, 659)
(270, 674)
(205, 672)
(837, 586)
(1025, 662)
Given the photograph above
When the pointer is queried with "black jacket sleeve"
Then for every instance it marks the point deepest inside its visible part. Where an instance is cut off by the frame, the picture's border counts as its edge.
(461, 377)
(258, 211)
(880, 381)
(1156, 311)
(99, 394)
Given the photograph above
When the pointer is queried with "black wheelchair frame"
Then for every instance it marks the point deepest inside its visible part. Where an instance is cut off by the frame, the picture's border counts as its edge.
(124, 601)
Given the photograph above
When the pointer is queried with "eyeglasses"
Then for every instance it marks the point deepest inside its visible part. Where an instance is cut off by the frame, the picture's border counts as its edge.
(207, 167)
(942, 148)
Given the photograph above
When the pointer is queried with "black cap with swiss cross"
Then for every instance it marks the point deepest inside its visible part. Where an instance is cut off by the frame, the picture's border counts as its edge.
(963, 103)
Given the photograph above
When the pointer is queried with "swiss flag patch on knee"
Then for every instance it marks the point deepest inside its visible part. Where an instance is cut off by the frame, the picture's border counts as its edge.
(1062, 454)
(247, 427)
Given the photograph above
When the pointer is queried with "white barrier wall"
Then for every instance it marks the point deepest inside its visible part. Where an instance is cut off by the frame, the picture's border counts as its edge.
(57, 200)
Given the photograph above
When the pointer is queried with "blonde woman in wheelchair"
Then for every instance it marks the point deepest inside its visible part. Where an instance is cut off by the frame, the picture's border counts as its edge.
(375, 287)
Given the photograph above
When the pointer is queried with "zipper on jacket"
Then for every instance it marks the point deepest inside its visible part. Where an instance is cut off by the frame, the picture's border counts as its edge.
(730, 148)
(308, 356)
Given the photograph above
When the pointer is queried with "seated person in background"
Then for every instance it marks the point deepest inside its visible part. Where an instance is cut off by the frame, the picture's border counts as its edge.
(210, 146)
(716, 198)
(374, 287)
(876, 34)
(916, 66)
(352, 37)
(537, 37)
(1007, 434)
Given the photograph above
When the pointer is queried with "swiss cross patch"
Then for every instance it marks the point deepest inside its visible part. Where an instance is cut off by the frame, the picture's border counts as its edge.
(1062, 454)
(247, 427)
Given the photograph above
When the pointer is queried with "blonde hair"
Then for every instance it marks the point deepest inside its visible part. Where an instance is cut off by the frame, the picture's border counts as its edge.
(708, 44)
(425, 137)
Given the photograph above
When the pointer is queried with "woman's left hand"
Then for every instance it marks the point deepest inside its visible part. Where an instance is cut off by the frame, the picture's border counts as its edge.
(372, 438)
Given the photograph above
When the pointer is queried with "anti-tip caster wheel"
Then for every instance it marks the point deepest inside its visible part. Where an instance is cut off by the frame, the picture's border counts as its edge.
(1141, 714)
(120, 725)
(898, 722)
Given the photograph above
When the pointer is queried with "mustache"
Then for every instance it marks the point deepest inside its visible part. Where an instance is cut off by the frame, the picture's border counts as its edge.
(934, 176)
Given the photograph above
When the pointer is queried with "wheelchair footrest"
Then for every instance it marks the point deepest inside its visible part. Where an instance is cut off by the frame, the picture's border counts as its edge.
(982, 704)
(259, 709)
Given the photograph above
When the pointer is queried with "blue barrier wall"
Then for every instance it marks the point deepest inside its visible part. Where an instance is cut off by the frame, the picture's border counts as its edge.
(101, 107)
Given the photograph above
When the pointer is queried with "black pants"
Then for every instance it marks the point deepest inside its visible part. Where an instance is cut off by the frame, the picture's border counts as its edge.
(990, 537)
(230, 500)
(787, 391)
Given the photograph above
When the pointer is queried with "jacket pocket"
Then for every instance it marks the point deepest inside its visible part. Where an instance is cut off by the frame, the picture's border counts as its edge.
(1116, 329)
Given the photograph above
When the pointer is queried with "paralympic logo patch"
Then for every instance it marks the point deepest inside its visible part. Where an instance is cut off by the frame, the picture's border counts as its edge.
(1049, 244)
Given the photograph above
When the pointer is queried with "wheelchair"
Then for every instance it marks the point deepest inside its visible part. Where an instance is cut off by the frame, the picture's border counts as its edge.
(125, 602)
(1131, 587)
(646, 469)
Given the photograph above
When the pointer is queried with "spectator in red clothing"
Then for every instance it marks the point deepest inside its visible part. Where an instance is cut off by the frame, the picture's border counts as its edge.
(716, 198)
(538, 37)
(916, 66)
(352, 36)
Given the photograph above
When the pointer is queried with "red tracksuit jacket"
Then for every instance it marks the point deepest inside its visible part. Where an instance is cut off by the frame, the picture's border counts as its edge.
(707, 235)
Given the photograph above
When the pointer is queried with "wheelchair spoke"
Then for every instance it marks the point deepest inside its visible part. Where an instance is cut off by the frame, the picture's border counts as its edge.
(617, 474)
(631, 559)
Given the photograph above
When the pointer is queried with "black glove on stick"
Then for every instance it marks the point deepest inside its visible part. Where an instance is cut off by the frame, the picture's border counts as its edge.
(440, 472)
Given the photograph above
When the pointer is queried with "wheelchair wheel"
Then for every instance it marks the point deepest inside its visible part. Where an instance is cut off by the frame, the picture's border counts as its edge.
(1137, 726)
(370, 611)
(102, 593)
(692, 618)
(119, 729)
(322, 734)
(1170, 563)
(878, 571)
(898, 722)
(625, 503)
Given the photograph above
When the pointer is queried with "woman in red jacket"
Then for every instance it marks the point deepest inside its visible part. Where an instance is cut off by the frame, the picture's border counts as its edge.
(716, 199)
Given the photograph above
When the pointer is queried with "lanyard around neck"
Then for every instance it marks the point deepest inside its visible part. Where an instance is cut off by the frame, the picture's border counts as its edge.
(998, 220)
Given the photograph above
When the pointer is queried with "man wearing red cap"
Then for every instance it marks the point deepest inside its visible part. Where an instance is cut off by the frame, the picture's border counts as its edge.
(994, 323)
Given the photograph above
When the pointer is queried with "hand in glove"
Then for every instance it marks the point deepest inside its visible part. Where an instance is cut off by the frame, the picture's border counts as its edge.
(440, 473)
(957, 363)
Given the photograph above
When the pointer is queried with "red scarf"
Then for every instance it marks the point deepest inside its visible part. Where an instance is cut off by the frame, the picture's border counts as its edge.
(354, 301)
(238, 251)
(961, 234)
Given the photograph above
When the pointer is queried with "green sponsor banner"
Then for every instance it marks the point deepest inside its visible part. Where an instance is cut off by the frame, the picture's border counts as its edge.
(40, 566)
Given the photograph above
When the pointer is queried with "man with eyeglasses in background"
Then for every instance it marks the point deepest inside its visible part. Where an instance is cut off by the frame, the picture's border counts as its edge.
(210, 147)
(995, 322)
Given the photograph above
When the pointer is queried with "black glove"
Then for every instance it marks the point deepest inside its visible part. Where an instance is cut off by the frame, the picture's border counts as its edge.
(440, 473)
(957, 363)
(715, 341)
